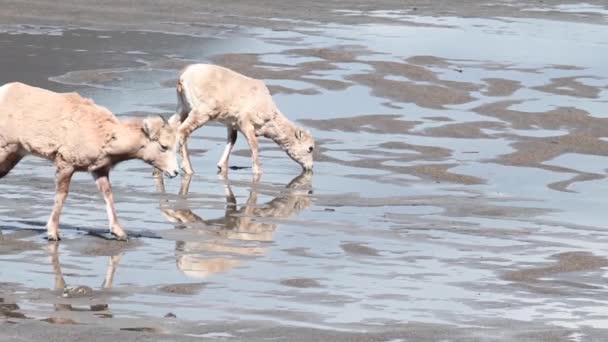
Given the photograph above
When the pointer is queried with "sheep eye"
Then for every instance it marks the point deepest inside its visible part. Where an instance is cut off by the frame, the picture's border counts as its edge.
(164, 148)
(310, 149)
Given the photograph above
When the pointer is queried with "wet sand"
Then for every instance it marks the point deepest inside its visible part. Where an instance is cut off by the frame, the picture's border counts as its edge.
(458, 193)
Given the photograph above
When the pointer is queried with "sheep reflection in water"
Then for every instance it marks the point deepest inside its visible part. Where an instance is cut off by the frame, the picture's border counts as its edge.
(239, 233)
(81, 291)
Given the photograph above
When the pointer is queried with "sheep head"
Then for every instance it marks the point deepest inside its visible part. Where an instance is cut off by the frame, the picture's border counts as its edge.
(302, 148)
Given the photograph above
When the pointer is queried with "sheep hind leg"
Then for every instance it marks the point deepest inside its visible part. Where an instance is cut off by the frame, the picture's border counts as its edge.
(9, 157)
(222, 164)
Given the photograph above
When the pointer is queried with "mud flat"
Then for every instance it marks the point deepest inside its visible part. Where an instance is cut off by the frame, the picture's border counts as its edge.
(458, 193)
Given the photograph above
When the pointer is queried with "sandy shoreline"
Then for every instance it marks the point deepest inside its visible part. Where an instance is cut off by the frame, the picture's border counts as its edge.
(193, 16)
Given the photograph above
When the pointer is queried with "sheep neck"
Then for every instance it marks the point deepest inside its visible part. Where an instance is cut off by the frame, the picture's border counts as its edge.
(280, 130)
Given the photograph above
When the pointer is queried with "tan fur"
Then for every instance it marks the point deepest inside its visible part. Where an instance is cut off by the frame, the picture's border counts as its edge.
(236, 224)
(77, 135)
(213, 93)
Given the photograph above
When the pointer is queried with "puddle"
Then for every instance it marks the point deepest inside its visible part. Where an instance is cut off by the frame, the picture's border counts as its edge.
(419, 208)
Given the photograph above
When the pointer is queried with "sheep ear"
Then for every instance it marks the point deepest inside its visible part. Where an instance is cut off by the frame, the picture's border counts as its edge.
(152, 126)
(299, 133)
(174, 121)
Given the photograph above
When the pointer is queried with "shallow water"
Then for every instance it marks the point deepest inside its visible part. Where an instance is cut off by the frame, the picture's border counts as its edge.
(458, 209)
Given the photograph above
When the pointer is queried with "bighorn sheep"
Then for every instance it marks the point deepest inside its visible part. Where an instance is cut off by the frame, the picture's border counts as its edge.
(213, 93)
(78, 135)
(235, 224)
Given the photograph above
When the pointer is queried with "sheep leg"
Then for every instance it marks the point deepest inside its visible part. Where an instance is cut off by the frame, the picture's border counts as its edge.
(252, 202)
(185, 185)
(222, 164)
(103, 184)
(159, 184)
(231, 208)
(252, 140)
(183, 148)
(9, 157)
(63, 176)
(195, 119)
(183, 190)
(59, 280)
(108, 281)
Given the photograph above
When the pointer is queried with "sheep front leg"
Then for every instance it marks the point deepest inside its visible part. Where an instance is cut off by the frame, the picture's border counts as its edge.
(195, 119)
(103, 184)
(185, 185)
(63, 176)
(183, 149)
(222, 164)
(252, 140)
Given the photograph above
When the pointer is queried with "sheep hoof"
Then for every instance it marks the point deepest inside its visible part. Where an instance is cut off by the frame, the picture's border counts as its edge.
(120, 236)
(53, 237)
